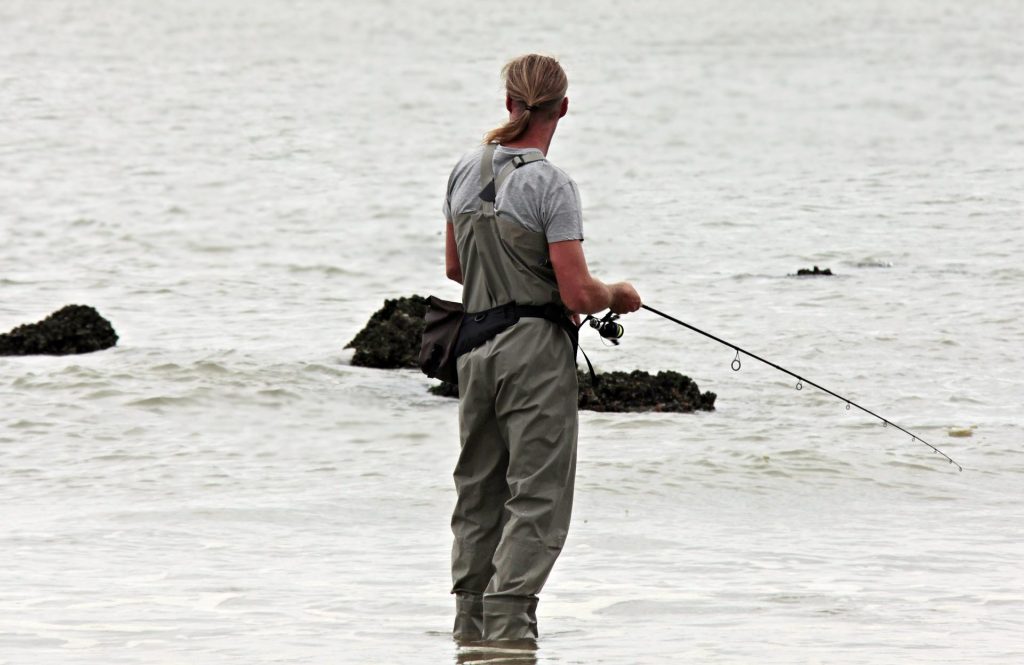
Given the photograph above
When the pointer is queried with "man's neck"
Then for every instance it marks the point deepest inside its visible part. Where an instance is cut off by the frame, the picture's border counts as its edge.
(536, 136)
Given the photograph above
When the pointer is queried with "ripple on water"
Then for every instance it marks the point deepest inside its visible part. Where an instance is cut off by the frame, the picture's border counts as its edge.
(158, 402)
(325, 270)
(104, 393)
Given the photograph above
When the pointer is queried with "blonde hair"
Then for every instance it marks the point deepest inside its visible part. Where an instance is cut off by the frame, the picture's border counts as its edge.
(537, 82)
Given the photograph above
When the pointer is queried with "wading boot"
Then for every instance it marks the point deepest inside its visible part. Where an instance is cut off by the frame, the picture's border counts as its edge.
(510, 618)
(469, 617)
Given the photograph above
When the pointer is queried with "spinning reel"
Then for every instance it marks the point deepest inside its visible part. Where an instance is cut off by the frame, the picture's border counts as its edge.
(608, 327)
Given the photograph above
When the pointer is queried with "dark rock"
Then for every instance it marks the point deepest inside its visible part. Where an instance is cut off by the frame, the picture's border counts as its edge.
(630, 391)
(444, 389)
(391, 338)
(803, 272)
(640, 391)
(71, 329)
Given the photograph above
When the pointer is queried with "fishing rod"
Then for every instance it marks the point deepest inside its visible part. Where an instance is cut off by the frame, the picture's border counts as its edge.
(608, 328)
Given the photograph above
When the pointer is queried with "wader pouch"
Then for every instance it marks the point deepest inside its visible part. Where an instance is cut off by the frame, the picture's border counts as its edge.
(440, 334)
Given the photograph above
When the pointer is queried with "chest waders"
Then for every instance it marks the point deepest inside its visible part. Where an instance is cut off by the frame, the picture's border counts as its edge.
(517, 424)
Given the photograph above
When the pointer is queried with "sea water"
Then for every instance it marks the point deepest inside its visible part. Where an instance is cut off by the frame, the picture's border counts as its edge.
(237, 186)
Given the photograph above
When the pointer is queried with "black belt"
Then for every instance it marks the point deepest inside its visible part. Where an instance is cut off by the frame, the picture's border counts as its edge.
(480, 327)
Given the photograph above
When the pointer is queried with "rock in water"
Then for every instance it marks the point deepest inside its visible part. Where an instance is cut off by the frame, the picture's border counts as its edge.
(632, 391)
(640, 391)
(391, 338)
(444, 389)
(71, 329)
(805, 272)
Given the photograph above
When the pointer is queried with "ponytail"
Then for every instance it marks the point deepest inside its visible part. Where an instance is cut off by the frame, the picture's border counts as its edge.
(537, 83)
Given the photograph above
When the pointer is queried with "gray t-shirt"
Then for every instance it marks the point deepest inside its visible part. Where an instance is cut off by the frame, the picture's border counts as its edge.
(538, 195)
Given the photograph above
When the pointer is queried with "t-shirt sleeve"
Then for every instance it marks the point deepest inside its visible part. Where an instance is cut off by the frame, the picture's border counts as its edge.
(563, 213)
(446, 209)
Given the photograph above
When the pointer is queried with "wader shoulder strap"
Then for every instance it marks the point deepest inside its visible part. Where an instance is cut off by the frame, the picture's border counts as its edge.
(490, 185)
(517, 161)
(487, 190)
(487, 164)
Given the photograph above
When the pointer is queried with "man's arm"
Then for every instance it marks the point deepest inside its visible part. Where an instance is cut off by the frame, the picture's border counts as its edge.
(581, 292)
(452, 267)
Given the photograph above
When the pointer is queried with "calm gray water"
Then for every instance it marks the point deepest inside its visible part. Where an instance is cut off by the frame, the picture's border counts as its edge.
(238, 185)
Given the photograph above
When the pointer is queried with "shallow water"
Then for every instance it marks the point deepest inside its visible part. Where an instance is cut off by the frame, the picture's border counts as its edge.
(237, 186)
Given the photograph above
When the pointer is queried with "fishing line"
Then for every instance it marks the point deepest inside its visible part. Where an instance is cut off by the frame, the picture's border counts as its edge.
(800, 381)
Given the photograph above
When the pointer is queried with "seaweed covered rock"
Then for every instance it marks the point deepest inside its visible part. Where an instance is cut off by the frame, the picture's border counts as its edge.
(630, 391)
(444, 389)
(816, 272)
(391, 338)
(71, 329)
(641, 391)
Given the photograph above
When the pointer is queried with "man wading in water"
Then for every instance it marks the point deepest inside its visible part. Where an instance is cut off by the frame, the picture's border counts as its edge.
(514, 233)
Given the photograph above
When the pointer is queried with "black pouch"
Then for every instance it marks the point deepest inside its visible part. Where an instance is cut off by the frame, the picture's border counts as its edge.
(479, 327)
(443, 321)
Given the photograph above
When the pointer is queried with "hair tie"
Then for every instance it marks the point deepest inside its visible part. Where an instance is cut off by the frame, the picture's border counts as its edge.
(531, 107)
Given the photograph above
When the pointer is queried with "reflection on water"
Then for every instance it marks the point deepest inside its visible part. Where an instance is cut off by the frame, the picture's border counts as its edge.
(512, 652)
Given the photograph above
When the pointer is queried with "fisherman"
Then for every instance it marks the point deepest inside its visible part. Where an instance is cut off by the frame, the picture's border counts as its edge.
(514, 241)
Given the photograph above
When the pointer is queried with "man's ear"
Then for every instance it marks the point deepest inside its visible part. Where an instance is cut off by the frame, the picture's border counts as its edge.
(564, 108)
